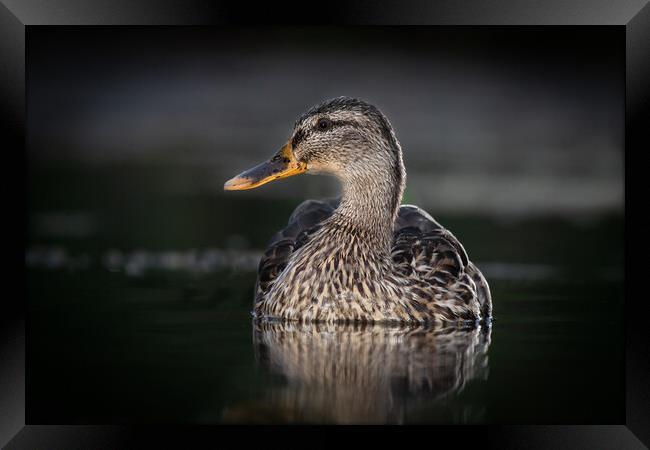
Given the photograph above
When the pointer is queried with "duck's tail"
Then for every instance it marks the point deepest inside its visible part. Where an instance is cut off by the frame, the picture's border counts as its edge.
(482, 290)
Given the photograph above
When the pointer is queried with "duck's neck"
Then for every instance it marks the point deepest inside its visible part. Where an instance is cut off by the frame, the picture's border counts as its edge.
(369, 205)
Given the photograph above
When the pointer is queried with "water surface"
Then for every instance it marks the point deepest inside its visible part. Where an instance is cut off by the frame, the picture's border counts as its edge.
(139, 312)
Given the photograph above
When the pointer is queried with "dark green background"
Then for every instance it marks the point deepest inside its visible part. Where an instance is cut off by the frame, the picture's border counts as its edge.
(512, 138)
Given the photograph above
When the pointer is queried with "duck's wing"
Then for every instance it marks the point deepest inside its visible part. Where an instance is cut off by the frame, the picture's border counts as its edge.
(304, 221)
(424, 246)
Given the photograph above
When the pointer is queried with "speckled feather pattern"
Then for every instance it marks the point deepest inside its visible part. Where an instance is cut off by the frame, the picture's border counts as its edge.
(331, 273)
(364, 258)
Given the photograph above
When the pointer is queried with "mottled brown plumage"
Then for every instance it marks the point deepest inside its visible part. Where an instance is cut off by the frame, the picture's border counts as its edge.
(362, 258)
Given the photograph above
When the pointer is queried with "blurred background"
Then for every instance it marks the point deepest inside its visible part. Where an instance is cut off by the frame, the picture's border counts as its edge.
(513, 138)
(498, 122)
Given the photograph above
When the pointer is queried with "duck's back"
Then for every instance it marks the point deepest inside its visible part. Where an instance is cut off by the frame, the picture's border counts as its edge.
(421, 247)
(421, 243)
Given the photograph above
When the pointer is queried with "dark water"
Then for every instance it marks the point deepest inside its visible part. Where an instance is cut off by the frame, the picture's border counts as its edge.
(139, 312)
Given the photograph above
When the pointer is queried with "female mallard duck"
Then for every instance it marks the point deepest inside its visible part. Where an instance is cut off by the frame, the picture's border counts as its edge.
(363, 258)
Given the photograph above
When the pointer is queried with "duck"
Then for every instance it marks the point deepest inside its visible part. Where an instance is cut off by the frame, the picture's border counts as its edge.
(362, 257)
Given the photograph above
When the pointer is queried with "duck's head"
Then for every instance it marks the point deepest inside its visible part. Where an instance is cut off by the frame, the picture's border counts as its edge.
(344, 136)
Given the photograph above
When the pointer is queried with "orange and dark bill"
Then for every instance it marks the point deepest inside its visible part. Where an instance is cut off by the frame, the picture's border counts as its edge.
(283, 164)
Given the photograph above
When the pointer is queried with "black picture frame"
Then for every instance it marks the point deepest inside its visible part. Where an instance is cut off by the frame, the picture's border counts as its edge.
(17, 16)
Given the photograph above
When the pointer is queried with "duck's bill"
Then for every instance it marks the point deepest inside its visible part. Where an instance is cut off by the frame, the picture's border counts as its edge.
(283, 164)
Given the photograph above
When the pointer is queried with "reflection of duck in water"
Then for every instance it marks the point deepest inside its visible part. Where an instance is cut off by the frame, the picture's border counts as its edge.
(365, 258)
(362, 374)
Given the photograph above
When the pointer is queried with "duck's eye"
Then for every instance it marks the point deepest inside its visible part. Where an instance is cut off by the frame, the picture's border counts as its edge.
(324, 124)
